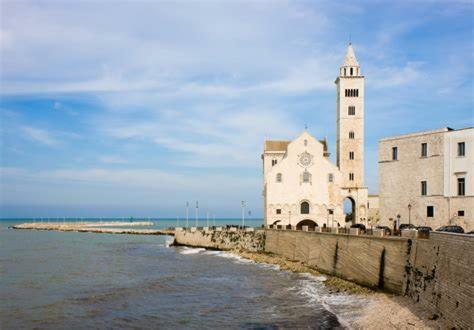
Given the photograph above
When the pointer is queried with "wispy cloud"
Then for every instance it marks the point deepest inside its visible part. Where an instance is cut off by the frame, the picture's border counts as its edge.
(40, 135)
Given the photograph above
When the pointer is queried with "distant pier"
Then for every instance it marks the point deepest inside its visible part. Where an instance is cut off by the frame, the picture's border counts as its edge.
(97, 227)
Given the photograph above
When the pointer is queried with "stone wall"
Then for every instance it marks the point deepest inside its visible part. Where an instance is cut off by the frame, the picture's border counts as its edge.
(367, 260)
(440, 277)
(222, 239)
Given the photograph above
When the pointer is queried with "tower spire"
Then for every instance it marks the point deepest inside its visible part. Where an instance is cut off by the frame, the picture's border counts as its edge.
(350, 59)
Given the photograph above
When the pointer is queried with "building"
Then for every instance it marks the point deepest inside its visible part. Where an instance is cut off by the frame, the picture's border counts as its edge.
(301, 185)
(427, 178)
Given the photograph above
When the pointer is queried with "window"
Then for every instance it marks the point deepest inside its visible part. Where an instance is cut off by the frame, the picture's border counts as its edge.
(351, 176)
(304, 208)
(460, 213)
(274, 162)
(352, 71)
(351, 135)
(461, 186)
(394, 153)
(461, 149)
(305, 143)
(306, 176)
(424, 150)
(330, 211)
(352, 110)
(351, 155)
(352, 92)
(330, 177)
(430, 211)
(424, 188)
(279, 177)
(278, 211)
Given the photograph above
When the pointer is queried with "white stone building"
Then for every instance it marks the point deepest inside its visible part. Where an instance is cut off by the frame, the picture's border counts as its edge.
(301, 185)
(427, 178)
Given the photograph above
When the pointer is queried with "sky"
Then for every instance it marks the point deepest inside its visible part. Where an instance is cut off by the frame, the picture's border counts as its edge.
(132, 108)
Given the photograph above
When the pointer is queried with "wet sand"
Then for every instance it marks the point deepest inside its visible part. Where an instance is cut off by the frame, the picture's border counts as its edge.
(385, 312)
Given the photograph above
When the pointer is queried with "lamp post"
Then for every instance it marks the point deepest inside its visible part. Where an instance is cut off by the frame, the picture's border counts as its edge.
(196, 214)
(398, 221)
(409, 214)
(242, 204)
(187, 214)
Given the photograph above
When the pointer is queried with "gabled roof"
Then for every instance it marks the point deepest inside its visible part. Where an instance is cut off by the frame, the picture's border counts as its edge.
(276, 145)
(350, 59)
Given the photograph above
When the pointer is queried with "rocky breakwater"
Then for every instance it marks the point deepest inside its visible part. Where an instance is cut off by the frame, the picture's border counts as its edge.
(96, 227)
(222, 238)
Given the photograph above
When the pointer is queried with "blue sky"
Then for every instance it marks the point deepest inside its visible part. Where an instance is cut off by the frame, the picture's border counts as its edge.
(132, 108)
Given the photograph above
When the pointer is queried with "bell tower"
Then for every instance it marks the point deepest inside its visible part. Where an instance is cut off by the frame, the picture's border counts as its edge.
(350, 121)
(350, 135)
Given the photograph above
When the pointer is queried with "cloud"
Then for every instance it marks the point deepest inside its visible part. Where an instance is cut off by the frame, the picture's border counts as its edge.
(113, 160)
(40, 135)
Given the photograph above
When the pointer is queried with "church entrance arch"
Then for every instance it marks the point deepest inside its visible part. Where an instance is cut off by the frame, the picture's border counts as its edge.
(350, 210)
(307, 222)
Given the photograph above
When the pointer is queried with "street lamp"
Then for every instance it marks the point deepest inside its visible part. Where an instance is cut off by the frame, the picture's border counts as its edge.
(196, 214)
(187, 214)
(242, 204)
(409, 214)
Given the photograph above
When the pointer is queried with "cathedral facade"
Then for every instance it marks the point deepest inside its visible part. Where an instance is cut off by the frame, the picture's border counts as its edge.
(301, 185)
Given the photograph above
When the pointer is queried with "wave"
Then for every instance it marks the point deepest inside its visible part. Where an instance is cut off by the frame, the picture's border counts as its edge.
(188, 250)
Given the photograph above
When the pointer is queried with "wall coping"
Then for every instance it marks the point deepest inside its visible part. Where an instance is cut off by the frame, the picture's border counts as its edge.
(397, 238)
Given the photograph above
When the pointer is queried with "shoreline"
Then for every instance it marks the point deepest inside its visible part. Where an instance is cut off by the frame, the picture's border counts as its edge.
(386, 311)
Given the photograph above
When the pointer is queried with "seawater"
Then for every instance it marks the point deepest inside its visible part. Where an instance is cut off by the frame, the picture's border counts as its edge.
(83, 280)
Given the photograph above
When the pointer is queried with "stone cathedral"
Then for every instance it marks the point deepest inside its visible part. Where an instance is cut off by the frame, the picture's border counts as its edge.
(301, 185)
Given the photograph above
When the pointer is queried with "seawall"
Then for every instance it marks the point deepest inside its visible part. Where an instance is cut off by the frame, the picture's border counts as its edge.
(436, 273)
(222, 239)
(440, 277)
(375, 262)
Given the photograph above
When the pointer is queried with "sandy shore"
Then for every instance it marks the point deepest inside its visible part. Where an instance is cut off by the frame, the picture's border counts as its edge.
(385, 312)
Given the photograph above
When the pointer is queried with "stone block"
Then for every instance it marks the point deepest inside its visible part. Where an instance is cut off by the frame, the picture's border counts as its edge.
(354, 231)
(233, 229)
(293, 227)
(218, 229)
(318, 229)
(193, 229)
(409, 233)
(335, 230)
(305, 228)
(205, 228)
(249, 229)
(379, 232)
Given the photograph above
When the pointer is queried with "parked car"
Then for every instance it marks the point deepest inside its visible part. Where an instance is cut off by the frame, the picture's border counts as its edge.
(471, 232)
(359, 225)
(405, 226)
(424, 228)
(451, 229)
(387, 229)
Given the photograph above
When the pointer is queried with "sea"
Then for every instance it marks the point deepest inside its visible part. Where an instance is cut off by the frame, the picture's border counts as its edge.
(67, 280)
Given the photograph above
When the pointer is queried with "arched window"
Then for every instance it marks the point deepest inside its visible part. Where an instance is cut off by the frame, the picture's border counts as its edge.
(279, 177)
(345, 72)
(306, 176)
(352, 71)
(351, 110)
(304, 208)
(351, 135)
